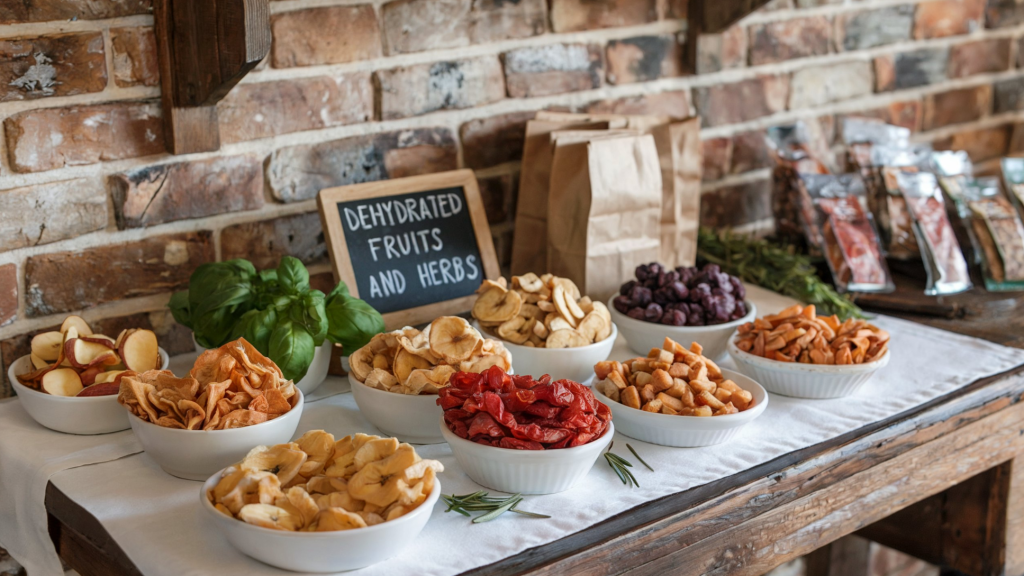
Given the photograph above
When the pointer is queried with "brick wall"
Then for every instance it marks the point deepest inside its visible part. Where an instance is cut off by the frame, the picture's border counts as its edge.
(97, 217)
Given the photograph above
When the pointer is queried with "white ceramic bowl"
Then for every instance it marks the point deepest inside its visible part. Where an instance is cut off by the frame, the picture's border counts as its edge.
(687, 431)
(321, 551)
(411, 419)
(805, 380)
(71, 415)
(195, 454)
(576, 364)
(642, 336)
(526, 471)
(315, 375)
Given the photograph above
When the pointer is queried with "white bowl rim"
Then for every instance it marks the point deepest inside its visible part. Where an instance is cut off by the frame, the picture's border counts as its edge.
(428, 504)
(134, 418)
(824, 369)
(164, 357)
(723, 418)
(550, 454)
(512, 346)
(748, 317)
(416, 397)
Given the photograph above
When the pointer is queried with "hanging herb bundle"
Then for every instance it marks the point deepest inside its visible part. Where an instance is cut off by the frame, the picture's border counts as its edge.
(773, 267)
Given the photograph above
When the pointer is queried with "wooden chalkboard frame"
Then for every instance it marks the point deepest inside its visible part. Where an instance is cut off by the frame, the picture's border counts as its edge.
(334, 235)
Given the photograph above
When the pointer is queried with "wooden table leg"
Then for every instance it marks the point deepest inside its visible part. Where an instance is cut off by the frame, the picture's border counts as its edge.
(845, 557)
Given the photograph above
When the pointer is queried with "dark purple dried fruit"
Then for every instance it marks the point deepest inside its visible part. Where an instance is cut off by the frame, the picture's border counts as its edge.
(640, 296)
(621, 303)
(674, 318)
(678, 290)
(653, 312)
(637, 313)
(625, 288)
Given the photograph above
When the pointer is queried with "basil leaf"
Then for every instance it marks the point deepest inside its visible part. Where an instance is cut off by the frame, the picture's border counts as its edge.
(292, 275)
(179, 308)
(309, 310)
(256, 327)
(351, 322)
(291, 348)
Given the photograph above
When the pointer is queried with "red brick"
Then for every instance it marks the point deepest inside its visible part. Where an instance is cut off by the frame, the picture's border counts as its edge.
(717, 158)
(956, 106)
(576, 15)
(330, 35)
(8, 294)
(941, 18)
(499, 197)
(424, 88)
(418, 25)
(58, 65)
(982, 144)
(742, 101)
(723, 51)
(911, 69)
(169, 192)
(814, 86)
(552, 69)
(736, 205)
(979, 57)
(1017, 140)
(678, 9)
(496, 20)
(672, 104)
(788, 39)
(48, 10)
(116, 272)
(323, 282)
(266, 109)
(871, 28)
(298, 173)
(749, 152)
(491, 141)
(1003, 13)
(906, 114)
(50, 138)
(135, 56)
(44, 213)
(644, 58)
(1008, 95)
(264, 243)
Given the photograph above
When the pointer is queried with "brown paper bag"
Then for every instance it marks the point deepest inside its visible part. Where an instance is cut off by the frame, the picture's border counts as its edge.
(529, 244)
(681, 157)
(604, 208)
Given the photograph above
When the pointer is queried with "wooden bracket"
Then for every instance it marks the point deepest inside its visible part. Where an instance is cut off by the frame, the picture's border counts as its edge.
(712, 17)
(205, 47)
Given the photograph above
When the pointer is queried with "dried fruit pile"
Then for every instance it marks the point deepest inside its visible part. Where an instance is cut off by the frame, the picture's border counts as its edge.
(409, 361)
(682, 297)
(798, 334)
(672, 380)
(77, 362)
(518, 412)
(541, 312)
(228, 387)
(318, 485)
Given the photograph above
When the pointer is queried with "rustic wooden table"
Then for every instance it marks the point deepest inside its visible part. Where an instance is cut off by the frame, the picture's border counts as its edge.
(941, 482)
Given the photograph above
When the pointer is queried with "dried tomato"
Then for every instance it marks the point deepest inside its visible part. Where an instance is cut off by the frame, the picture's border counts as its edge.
(520, 412)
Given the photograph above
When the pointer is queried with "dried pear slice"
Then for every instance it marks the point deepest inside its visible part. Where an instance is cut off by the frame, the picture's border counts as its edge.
(529, 282)
(453, 339)
(269, 516)
(517, 330)
(592, 325)
(406, 362)
(361, 362)
(560, 299)
(497, 305)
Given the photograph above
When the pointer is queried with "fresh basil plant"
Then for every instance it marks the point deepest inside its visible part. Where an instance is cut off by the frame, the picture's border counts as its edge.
(275, 310)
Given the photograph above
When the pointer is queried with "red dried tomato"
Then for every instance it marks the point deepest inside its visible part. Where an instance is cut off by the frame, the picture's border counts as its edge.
(521, 413)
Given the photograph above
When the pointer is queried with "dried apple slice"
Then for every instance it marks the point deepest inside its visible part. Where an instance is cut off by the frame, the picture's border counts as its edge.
(100, 339)
(108, 376)
(139, 351)
(47, 345)
(104, 389)
(76, 322)
(120, 337)
(38, 362)
(84, 354)
(89, 375)
(62, 382)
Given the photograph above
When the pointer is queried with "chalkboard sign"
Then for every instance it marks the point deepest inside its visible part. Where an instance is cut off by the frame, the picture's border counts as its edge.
(413, 248)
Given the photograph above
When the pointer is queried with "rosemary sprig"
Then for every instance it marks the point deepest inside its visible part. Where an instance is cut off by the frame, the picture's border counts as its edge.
(639, 458)
(774, 267)
(621, 467)
(481, 501)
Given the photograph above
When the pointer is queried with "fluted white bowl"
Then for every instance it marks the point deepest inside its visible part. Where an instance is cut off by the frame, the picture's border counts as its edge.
(71, 414)
(409, 418)
(798, 380)
(321, 552)
(526, 471)
(687, 431)
(642, 336)
(576, 364)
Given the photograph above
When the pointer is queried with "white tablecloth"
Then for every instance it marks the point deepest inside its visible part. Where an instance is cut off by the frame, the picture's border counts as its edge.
(157, 520)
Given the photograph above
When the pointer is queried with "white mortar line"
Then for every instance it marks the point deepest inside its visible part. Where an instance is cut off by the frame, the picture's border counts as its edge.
(29, 29)
(767, 16)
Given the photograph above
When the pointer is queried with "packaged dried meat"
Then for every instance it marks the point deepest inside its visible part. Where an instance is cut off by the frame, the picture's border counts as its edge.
(943, 260)
(797, 149)
(1013, 175)
(994, 229)
(847, 233)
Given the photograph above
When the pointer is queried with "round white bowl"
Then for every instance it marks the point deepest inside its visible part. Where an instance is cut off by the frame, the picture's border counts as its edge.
(687, 431)
(70, 414)
(798, 380)
(526, 471)
(321, 551)
(576, 364)
(196, 454)
(642, 336)
(315, 375)
(409, 418)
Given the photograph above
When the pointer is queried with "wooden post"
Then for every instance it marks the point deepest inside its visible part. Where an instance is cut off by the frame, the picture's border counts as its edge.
(712, 17)
(847, 556)
(205, 47)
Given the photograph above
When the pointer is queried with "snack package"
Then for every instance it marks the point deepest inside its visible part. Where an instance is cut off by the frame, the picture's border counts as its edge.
(993, 228)
(943, 260)
(796, 149)
(847, 234)
(1013, 175)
